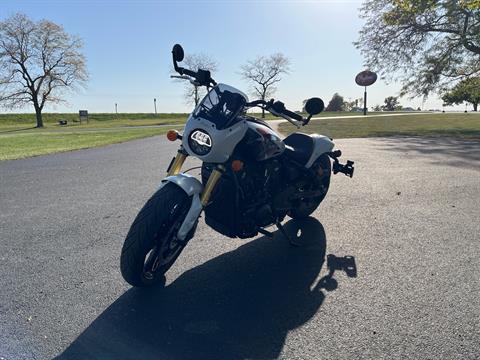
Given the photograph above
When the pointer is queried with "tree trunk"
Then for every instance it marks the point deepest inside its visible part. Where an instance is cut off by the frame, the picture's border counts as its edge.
(196, 95)
(475, 106)
(38, 113)
(263, 110)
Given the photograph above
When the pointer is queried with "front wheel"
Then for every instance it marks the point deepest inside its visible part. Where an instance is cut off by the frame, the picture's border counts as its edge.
(151, 246)
(306, 206)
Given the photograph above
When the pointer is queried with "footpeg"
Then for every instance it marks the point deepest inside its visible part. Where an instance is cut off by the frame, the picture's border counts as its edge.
(346, 169)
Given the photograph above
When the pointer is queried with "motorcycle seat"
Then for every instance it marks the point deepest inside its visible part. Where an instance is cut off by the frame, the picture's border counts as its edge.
(299, 147)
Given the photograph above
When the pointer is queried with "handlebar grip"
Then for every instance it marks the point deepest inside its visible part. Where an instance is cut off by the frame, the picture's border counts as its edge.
(280, 108)
(293, 115)
(189, 72)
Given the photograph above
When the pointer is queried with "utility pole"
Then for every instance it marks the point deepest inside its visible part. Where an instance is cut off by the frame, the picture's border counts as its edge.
(155, 105)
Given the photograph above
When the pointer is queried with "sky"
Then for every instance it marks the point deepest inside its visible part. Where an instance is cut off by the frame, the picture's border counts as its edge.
(128, 48)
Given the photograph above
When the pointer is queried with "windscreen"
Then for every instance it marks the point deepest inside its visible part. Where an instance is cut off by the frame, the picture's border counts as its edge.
(221, 106)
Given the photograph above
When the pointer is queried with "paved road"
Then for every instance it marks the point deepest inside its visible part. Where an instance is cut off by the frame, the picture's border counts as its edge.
(409, 218)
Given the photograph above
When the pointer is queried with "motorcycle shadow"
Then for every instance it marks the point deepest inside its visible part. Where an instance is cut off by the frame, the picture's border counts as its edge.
(236, 306)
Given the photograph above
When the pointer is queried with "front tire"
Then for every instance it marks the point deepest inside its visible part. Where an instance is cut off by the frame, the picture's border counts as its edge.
(305, 207)
(151, 247)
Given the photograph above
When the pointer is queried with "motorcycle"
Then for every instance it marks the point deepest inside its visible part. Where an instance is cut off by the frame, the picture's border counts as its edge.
(250, 177)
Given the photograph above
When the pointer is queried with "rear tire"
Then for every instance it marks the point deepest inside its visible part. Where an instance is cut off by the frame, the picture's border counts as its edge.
(150, 248)
(306, 207)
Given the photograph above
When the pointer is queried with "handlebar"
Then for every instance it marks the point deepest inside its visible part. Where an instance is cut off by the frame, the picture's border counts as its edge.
(277, 108)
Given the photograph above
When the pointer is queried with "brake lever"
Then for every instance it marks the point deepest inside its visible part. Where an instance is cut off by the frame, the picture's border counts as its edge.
(186, 77)
(298, 124)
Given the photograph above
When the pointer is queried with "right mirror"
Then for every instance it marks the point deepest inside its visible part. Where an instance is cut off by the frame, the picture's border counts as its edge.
(177, 52)
(314, 106)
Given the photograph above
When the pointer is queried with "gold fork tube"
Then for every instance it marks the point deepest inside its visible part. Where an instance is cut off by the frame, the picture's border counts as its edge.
(211, 183)
(177, 163)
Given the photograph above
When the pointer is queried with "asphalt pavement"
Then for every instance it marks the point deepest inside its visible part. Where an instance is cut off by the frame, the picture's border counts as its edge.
(388, 268)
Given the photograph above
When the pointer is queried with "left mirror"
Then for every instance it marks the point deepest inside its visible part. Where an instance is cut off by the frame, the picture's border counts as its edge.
(314, 106)
(177, 52)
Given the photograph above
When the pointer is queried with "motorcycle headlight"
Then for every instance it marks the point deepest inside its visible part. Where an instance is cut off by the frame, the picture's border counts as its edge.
(200, 142)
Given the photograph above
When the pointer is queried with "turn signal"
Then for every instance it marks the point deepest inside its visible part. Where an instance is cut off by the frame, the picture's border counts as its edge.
(173, 135)
(237, 165)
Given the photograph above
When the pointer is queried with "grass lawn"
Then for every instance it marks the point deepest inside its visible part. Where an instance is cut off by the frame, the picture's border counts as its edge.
(18, 138)
(269, 116)
(27, 121)
(26, 143)
(435, 124)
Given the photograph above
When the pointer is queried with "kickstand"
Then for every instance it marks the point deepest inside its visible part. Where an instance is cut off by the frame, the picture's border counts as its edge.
(284, 233)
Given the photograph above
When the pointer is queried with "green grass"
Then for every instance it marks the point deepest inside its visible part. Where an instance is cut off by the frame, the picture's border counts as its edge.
(21, 144)
(437, 124)
(25, 121)
(18, 138)
(269, 116)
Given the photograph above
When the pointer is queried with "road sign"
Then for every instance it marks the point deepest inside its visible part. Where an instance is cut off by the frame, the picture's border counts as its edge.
(83, 115)
(366, 78)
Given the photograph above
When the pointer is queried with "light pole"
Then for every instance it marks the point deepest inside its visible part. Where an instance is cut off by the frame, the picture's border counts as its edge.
(155, 105)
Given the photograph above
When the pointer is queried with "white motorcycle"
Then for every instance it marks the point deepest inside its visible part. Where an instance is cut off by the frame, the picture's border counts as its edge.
(251, 179)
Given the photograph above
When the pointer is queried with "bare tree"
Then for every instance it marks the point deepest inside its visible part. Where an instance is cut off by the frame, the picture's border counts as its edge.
(194, 93)
(263, 73)
(38, 61)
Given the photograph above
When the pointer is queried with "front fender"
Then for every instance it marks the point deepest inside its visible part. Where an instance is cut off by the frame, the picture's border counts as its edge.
(192, 187)
(188, 183)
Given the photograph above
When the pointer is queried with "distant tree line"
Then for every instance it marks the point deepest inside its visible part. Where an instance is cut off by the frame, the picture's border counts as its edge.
(337, 103)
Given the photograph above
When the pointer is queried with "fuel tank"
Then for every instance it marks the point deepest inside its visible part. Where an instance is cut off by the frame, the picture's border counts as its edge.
(261, 142)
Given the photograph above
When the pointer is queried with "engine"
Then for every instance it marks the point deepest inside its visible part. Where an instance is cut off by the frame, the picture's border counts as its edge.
(242, 200)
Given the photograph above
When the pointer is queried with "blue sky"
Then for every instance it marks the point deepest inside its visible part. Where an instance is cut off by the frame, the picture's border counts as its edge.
(128, 48)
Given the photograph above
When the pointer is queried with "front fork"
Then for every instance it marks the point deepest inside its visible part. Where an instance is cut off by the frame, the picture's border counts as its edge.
(177, 163)
(176, 166)
(200, 201)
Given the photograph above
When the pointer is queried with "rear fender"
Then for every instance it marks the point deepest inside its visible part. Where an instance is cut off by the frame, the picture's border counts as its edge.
(321, 145)
(192, 187)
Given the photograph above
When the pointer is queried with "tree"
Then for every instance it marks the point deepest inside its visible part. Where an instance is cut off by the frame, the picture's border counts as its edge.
(263, 73)
(466, 90)
(427, 44)
(38, 62)
(377, 108)
(351, 105)
(336, 103)
(391, 104)
(194, 93)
